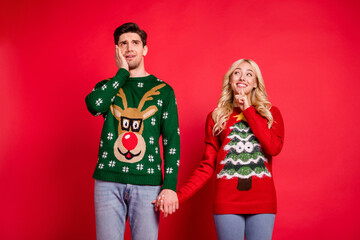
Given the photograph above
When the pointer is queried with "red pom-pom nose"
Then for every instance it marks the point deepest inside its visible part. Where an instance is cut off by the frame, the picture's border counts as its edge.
(129, 140)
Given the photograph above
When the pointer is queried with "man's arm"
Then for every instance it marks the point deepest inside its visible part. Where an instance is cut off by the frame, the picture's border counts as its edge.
(171, 145)
(99, 100)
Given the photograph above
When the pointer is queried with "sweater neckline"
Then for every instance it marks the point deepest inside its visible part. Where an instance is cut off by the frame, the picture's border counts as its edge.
(146, 78)
(237, 110)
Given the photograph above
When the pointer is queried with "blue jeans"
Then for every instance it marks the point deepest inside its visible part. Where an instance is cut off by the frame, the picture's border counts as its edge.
(235, 226)
(115, 202)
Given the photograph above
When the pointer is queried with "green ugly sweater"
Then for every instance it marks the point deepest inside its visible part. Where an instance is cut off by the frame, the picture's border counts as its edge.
(136, 111)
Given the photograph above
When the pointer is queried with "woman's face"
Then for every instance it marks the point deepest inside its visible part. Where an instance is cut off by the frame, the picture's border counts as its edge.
(243, 78)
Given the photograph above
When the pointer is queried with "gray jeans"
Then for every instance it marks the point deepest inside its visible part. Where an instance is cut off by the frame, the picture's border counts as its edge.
(253, 226)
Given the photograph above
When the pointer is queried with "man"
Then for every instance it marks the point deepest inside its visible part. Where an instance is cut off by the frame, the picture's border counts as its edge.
(137, 108)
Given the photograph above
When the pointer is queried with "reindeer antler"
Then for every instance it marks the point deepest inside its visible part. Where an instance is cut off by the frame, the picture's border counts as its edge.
(148, 95)
(122, 95)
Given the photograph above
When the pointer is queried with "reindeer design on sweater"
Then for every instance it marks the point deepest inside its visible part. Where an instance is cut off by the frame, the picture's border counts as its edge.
(130, 146)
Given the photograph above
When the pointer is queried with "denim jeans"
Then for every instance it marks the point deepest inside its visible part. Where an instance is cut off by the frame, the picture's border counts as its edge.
(235, 226)
(115, 202)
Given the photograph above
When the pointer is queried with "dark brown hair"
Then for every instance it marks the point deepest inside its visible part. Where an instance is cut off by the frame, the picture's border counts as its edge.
(130, 27)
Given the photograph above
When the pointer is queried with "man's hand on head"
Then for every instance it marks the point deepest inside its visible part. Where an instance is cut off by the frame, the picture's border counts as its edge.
(120, 59)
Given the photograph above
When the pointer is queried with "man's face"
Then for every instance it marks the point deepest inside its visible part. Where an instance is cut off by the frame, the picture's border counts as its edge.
(132, 48)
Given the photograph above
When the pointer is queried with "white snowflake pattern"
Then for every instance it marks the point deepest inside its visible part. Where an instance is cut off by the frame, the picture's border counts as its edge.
(156, 150)
(115, 84)
(125, 169)
(159, 80)
(112, 164)
(172, 151)
(104, 155)
(178, 162)
(169, 170)
(99, 102)
(101, 143)
(139, 167)
(175, 101)
(101, 165)
(178, 131)
(97, 114)
(150, 170)
(93, 90)
(140, 84)
(110, 136)
(112, 99)
(165, 141)
(165, 115)
(153, 121)
(103, 87)
(151, 140)
(159, 103)
(151, 158)
(159, 167)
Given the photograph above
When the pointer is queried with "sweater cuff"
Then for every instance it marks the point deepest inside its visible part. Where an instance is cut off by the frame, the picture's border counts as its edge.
(249, 112)
(123, 72)
(181, 197)
(170, 184)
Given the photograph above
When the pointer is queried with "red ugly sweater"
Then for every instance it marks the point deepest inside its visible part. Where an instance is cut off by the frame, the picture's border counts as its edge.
(241, 156)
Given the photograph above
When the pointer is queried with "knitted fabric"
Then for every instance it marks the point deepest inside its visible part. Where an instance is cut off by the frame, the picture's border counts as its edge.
(241, 157)
(137, 112)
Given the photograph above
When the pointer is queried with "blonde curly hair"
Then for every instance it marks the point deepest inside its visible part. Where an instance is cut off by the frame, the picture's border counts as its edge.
(258, 98)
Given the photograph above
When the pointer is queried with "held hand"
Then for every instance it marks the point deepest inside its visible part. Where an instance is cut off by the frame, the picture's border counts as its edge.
(167, 202)
(120, 59)
(242, 100)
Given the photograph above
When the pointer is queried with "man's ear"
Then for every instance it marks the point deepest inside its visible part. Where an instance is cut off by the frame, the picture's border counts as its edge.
(145, 50)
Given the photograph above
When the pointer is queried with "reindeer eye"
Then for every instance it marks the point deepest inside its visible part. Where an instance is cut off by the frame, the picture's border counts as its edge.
(125, 124)
(135, 125)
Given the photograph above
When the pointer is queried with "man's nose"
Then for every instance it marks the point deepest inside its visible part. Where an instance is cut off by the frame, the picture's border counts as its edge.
(129, 47)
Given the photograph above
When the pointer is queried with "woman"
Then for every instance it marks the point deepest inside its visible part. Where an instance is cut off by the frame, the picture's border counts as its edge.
(242, 135)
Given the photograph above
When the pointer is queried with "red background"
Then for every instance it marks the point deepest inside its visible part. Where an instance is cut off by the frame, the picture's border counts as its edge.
(53, 52)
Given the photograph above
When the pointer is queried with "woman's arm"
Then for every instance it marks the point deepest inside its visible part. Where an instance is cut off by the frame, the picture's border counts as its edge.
(272, 139)
(207, 165)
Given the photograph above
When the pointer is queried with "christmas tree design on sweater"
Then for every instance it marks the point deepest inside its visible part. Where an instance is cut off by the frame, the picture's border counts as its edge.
(244, 158)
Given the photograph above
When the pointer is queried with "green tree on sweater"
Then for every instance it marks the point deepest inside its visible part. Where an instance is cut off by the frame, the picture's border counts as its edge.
(244, 158)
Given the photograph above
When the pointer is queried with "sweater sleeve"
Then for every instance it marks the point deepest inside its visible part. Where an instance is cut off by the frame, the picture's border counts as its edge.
(272, 139)
(99, 100)
(207, 165)
(171, 141)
